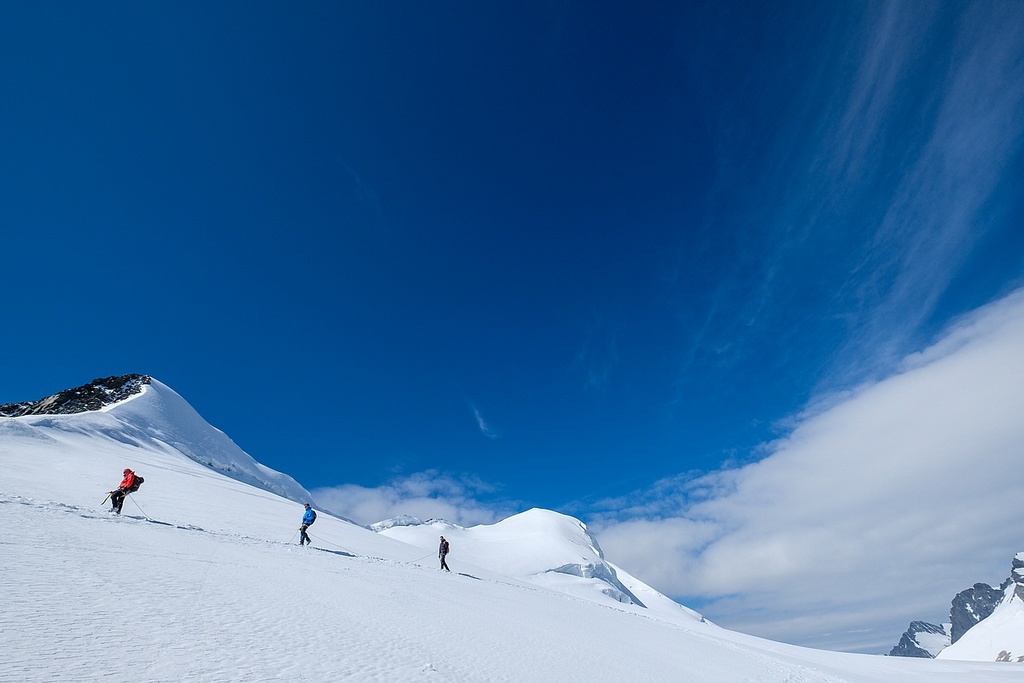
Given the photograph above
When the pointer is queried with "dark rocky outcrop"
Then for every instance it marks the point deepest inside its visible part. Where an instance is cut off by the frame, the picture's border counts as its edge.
(910, 643)
(971, 606)
(93, 396)
(1017, 575)
(967, 609)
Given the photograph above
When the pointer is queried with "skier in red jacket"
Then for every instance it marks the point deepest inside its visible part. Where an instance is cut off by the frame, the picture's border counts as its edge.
(125, 487)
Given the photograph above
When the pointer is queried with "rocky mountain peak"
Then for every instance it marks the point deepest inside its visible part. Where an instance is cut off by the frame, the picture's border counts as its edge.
(968, 609)
(93, 396)
(1017, 575)
(971, 606)
(921, 640)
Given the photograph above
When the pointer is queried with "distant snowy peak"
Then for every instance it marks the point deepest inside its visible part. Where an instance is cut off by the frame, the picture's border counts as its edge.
(997, 638)
(96, 395)
(987, 624)
(401, 520)
(971, 606)
(1017, 574)
(541, 547)
(922, 640)
(410, 521)
(540, 522)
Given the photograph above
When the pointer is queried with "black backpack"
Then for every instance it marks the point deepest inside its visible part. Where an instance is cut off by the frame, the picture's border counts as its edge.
(136, 484)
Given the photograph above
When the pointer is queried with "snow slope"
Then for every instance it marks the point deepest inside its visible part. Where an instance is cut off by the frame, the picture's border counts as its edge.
(999, 636)
(201, 580)
(544, 548)
(156, 419)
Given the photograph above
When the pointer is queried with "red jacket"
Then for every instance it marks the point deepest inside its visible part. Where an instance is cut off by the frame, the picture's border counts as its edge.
(128, 481)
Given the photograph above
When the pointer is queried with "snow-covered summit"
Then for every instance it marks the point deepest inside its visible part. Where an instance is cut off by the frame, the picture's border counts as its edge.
(145, 414)
(1000, 635)
(544, 548)
(400, 520)
(986, 624)
(997, 638)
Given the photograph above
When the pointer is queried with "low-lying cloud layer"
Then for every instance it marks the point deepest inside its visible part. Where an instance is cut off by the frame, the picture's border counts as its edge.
(427, 495)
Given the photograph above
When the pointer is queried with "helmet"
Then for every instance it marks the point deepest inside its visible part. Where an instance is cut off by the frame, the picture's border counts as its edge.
(126, 471)
(307, 504)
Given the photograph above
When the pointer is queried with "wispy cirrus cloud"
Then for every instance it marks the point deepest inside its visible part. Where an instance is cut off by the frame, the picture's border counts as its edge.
(868, 197)
(598, 356)
(939, 202)
(486, 428)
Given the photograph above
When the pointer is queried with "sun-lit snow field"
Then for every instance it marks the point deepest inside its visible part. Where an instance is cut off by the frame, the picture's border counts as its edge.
(201, 579)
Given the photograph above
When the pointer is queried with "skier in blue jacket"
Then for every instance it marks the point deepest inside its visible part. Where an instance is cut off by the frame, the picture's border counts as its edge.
(307, 519)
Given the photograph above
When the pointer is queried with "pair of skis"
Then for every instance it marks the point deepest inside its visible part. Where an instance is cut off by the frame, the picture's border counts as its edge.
(126, 495)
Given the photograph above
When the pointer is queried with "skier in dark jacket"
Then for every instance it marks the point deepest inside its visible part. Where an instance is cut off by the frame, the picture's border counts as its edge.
(125, 487)
(443, 550)
(307, 519)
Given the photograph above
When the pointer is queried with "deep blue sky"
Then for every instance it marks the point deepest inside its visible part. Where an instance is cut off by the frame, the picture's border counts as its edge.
(559, 249)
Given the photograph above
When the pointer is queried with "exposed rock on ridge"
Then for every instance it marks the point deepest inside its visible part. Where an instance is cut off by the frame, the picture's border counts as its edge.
(1017, 575)
(918, 637)
(968, 608)
(971, 606)
(97, 394)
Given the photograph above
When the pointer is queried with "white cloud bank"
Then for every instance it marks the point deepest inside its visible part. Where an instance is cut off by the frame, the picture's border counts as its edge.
(427, 495)
(873, 511)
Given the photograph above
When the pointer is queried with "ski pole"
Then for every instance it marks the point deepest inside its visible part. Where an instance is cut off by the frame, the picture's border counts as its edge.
(140, 507)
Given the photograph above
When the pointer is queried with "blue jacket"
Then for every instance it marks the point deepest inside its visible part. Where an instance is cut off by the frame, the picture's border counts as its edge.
(309, 517)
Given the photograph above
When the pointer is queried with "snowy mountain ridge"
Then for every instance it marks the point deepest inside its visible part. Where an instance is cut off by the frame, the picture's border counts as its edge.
(142, 412)
(998, 636)
(986, 623)
(138, 412)
(201, 579)
(922, 639)
(543, 547)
